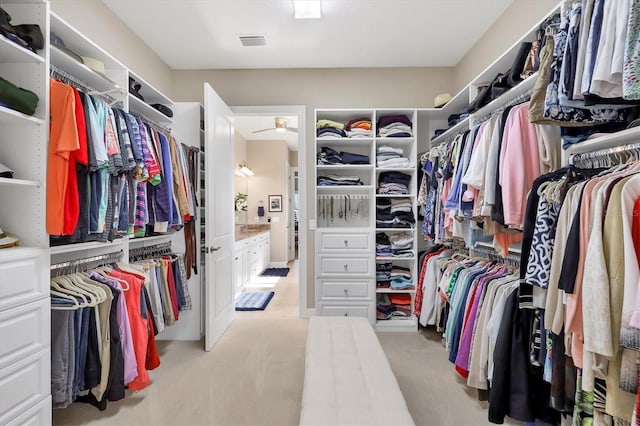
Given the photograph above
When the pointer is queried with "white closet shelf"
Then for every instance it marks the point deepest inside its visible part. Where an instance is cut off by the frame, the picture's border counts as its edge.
(12, 52)
(396, 141)
(395, 195)
(150, 93)
(396, 169)
(18, 182)
(391, 257)
(146, 110)
(10, 116)
(399, 324)
(452, 131)
(344, 141)
(514, 248)
(392, 291)
(345, 188)
(623, 137)
(10, 254)
(345, 167)
(142, 240)
(80, 71)
(459, 102)
(70, 248)
(523, 87)
(395, 229)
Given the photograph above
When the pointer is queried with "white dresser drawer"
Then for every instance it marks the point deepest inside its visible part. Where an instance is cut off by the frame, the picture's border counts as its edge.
(342, 266)
(23, 385)
(35, 416)
(24, 331)
(24, 276)
(345, 311)
(345, 289)
(341, 241)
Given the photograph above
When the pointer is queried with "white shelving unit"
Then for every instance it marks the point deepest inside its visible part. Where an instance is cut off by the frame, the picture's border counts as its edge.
(345, 252)
(24, 281)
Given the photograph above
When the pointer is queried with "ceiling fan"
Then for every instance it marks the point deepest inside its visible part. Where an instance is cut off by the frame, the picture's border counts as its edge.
(280, 126)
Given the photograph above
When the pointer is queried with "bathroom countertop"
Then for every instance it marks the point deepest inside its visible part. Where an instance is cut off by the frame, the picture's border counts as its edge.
(247, 231)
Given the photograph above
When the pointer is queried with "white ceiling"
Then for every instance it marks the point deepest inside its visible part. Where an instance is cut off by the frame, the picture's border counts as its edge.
(246, 125)
(202, 34)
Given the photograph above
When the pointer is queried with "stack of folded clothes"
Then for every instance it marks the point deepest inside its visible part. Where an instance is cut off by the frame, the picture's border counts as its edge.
(359, 128)
(393, 306)
(338, 180)
(331, 156)
(330, 129)
(401, 244)
(383, 245)
(395, 126)
(394, 213)
(383, 273)
(401, 278)
(393, 183)
(452, 120)
(391, 157)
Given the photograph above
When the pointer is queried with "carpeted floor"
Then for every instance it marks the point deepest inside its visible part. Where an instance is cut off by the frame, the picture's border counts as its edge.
(255, 375)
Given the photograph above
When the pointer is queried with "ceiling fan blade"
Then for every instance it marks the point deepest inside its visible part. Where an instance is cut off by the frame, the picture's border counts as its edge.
(291, 129)
(262, 130)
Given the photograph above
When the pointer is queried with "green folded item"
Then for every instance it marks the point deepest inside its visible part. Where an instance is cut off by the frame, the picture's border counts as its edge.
(17, 98)
(321, 124)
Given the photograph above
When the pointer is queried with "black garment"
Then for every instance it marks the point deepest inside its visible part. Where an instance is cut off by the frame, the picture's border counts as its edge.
(498, 210)
(394, 177)
(115, 387)
(572, 254)
(93, 367)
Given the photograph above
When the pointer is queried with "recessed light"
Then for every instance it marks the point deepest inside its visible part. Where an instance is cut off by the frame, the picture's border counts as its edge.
(307, 9)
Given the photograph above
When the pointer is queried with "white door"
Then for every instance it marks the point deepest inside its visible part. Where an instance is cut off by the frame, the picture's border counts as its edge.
(219, 289)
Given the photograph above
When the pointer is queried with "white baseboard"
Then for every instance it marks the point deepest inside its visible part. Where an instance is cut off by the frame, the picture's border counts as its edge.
(277, 264)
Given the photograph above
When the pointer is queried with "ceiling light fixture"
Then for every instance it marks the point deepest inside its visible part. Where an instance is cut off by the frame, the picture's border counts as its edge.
(307, 9)
(244, 169)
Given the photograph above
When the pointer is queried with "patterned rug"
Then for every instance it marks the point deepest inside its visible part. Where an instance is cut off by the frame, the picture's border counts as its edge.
(275, 272)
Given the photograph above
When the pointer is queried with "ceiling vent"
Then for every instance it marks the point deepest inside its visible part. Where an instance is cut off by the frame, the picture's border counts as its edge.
(253, 40)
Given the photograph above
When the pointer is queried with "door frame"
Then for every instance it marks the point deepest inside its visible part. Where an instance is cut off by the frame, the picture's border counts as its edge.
(300, 112)
(291, 253)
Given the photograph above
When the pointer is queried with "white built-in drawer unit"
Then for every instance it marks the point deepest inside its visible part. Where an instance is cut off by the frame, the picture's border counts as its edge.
(23, 276)
(345, 289)
(24, 331)
(339, 241)
(346, 310)
(341, 266)
(24, 385)
(38, 415)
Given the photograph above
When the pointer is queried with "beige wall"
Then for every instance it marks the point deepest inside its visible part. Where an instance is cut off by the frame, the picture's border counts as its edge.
(268, 159)
(98, 23)
(293, 158)
(241, 182)
(520, 17)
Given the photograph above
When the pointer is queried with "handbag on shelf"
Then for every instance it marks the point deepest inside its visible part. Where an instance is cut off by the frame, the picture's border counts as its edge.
(498, 86)
(28, 36)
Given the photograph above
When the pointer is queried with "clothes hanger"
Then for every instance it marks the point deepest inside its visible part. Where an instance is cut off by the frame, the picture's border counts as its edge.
(65, 296)
(56, 284)
(121, 94)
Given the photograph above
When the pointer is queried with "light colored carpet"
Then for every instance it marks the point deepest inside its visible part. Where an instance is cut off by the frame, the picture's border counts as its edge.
(255, 375)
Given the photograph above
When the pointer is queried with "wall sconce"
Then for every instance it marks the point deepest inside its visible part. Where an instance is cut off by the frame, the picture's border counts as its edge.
(244, 169)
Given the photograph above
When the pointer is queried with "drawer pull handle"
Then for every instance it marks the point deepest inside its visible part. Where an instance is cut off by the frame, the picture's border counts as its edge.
(346, 290)
(346, 243)
(346, 314)
(346, 266)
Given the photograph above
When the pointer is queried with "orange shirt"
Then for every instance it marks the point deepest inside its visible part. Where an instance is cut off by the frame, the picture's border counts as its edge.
(63, 139)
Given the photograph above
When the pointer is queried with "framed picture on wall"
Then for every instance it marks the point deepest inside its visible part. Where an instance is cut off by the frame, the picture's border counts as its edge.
(275, 203)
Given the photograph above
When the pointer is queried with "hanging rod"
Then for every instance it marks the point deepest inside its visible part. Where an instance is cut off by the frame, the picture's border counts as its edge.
(150, 251)
(585, 159)
(520, 99)
(152, 122)
(72, 80)
(83, 263)
(492, 254)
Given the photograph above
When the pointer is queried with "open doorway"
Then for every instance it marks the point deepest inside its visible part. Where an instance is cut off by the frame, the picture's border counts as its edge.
(270, 141)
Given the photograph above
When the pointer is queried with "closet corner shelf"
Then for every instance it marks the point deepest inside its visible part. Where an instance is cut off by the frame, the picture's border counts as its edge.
(459, 127)
(12, 52)
(401, 324)
(10, 116)
(623, 137)
(146, 110)
(520, 89)
(70, 248)
(82, 72)
(18, 182)
(392, 291)
(150, 93)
